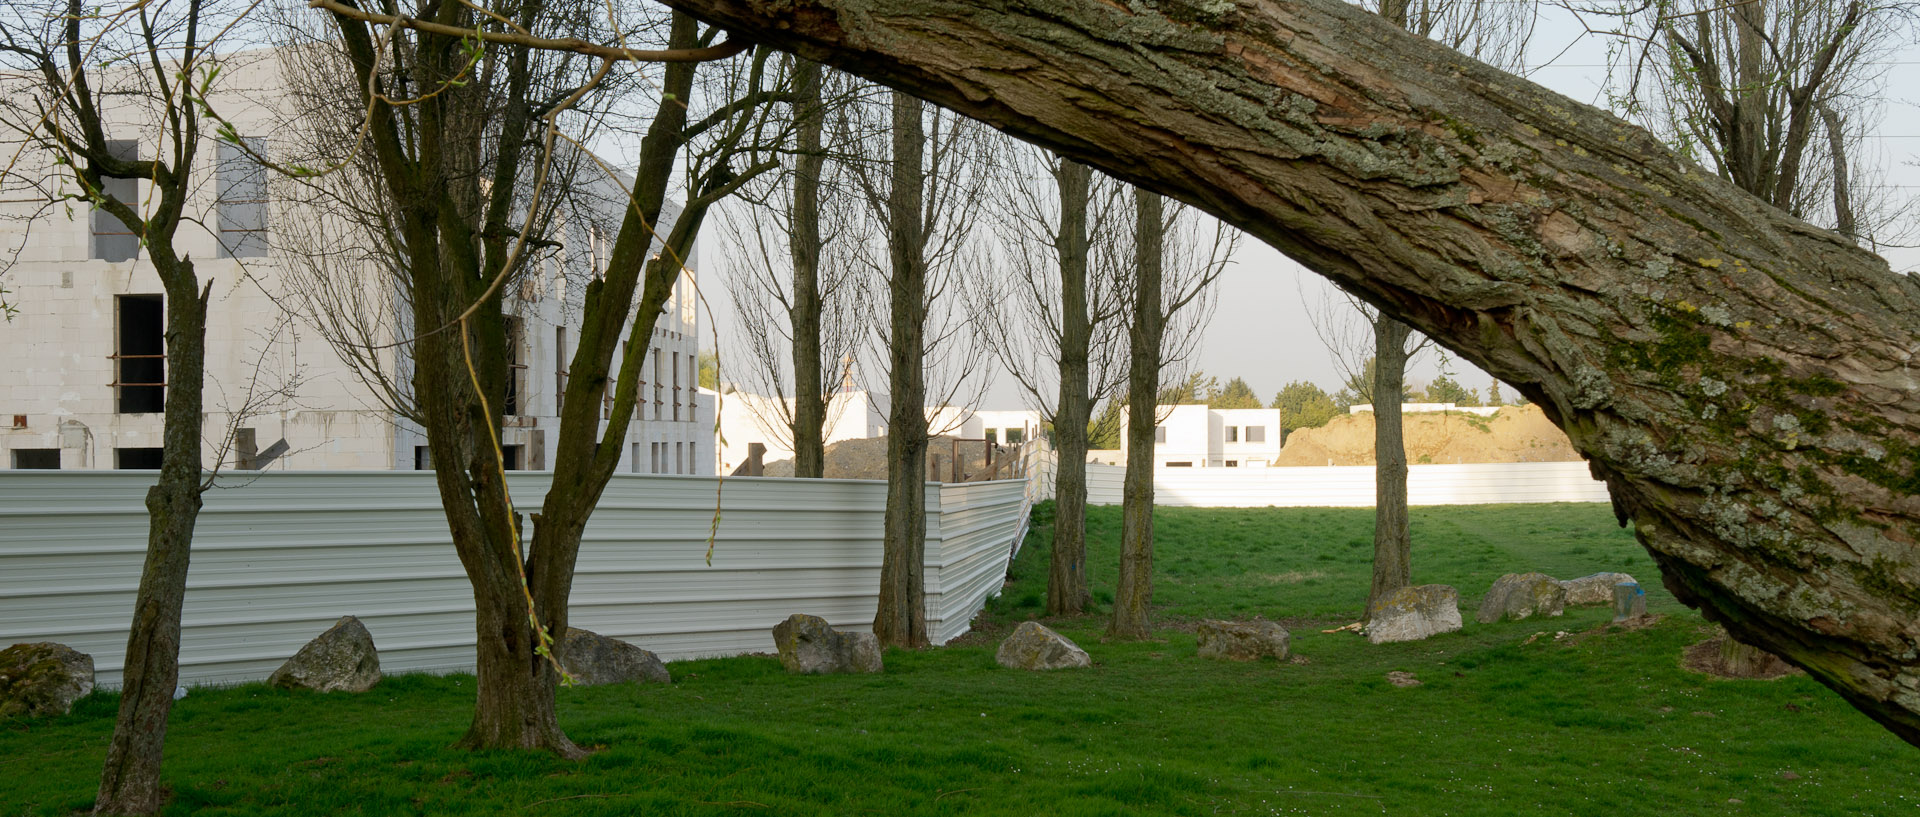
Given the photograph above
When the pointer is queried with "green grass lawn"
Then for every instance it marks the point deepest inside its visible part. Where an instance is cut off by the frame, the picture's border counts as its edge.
(1601, 721)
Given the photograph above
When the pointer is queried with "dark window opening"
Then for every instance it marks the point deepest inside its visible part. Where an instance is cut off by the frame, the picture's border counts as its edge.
(42, 459)
(1236, 463)
(510, 455)
(516, 370)
(141, 355)
(676, 389)
(1233, 434)
(1180, 465)
(1016, 436)
(113, 240)
(422, 458)
(993, 437)
(136, 459)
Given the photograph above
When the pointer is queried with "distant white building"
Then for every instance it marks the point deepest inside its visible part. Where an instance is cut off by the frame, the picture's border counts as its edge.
(1195, 436)
(86, 370)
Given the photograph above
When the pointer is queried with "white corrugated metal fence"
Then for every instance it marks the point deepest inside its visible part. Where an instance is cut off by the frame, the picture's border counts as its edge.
(278, 556)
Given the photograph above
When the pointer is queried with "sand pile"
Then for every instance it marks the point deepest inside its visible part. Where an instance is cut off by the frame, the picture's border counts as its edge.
(867, 459)
(1516, 434)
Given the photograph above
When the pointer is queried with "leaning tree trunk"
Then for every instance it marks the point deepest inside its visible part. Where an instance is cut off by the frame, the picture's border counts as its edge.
(130, 778)
(1067, 591)
(1133, 596)
(809, 403)
(1742, 380)
(901, 620)
(1392, 537)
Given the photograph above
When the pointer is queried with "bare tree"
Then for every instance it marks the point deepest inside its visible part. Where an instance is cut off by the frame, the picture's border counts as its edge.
(1047, 305)
(84, 82)
(918, 176)
(792, 275)
(466, 113)
(1772, 95)
(1175, 262)
(1497, 33)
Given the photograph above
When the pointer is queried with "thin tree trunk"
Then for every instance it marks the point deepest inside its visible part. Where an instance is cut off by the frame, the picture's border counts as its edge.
(1742, 380)
(809, 396)
(1392, 538)
(1843, 218)
(1133, 596)
(130, 778)
(1067, 591)
(901, 620)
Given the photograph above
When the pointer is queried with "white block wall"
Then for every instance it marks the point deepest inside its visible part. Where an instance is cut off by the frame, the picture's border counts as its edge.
(1352, 485)
(278, 556)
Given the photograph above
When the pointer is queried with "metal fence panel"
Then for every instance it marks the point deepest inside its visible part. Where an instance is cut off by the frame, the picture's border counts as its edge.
(278, 556)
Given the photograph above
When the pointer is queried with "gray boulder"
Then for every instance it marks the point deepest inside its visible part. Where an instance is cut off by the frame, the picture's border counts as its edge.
(1520, 595)
(1242, 640)
(1594, 590)
(1629, 601)
(1414, 613)
(42, 679)
(342, 659)
(593, 659)
(1033, 646)
(810, 646)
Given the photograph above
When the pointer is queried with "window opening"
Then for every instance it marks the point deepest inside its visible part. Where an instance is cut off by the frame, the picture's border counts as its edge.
(113, 240)
(140, 354)
(243, 198)
(136, 459)
(42, 459)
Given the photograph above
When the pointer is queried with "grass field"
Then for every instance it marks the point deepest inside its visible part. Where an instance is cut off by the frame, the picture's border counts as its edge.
(1596, 722)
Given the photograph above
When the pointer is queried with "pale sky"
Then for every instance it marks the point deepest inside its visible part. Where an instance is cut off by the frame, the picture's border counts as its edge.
(1261, 332)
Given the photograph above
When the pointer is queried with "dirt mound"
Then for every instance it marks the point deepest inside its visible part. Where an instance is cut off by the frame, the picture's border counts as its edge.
(1516, 434)
(867, 459)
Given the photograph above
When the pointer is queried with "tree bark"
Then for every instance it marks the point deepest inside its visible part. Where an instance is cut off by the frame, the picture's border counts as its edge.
(1742, 380)
(1067, 591)
(1392, 538)
(130, 777)
(809, 397)
(1133, 596)
(901, 620)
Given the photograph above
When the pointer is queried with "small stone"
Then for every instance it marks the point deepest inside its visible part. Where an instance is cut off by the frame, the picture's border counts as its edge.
(1735, 800)
(593, 659)
(1414, 613)
(1629, 601)
(1789, 776)
(808, 645)
(42, 679)
(1517, 596)
(1402, 679)
(1242, 640)
(1034, 646)
(1594, 590)
(342, 659)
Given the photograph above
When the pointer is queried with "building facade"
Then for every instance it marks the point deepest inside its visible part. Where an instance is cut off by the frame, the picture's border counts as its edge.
(1195, 436)
(295, 378)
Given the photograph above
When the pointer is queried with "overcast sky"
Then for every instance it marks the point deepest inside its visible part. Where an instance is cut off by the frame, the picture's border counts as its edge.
(1261, 331)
